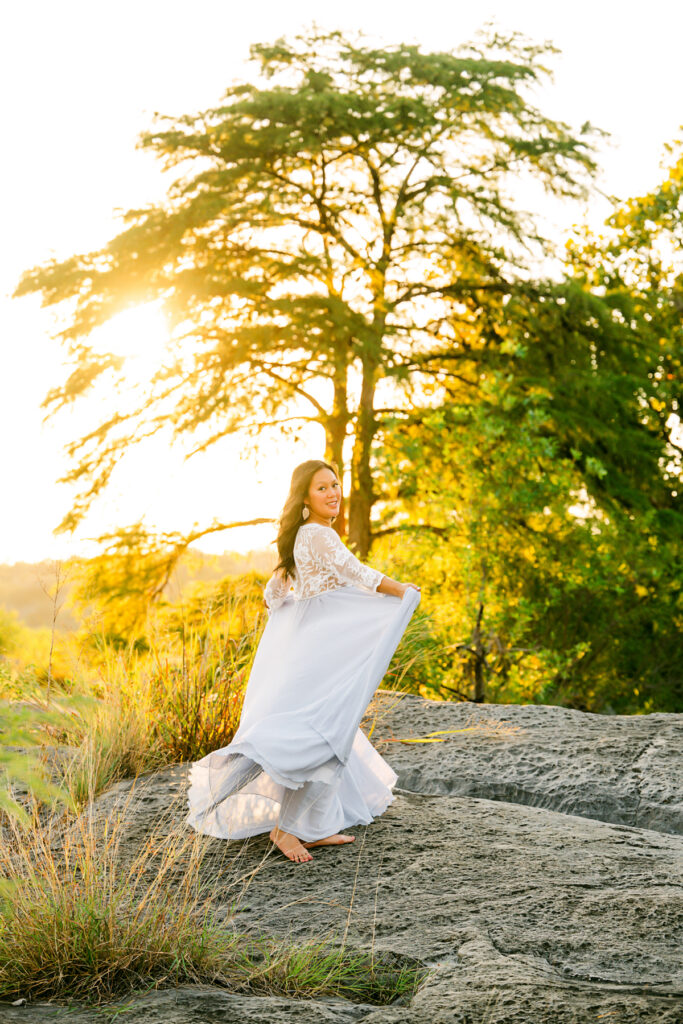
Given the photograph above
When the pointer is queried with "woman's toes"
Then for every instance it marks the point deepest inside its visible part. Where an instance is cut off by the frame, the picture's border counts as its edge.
(290, 846)
(336, 840)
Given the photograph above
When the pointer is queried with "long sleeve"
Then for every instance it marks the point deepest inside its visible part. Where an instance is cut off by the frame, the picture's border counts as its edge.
(276, 590)
(330, 553)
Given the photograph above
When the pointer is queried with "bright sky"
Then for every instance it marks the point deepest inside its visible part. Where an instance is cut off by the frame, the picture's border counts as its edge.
(81, 82)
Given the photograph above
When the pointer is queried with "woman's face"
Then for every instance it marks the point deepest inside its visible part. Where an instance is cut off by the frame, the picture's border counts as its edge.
(324, 496)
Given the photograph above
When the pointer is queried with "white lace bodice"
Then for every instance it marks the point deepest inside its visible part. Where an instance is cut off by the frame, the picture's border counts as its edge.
(323, 562)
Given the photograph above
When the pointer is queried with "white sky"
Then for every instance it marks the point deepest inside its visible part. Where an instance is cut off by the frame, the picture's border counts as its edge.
(80, 81)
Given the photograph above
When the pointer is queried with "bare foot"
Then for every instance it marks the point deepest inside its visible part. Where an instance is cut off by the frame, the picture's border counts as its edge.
(290, 846)
(336, 840)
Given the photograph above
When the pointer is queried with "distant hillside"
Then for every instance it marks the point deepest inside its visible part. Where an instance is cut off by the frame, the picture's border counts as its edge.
(21, 590)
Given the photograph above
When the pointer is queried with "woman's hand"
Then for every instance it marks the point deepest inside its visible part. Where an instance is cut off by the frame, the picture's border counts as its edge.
(414, 586)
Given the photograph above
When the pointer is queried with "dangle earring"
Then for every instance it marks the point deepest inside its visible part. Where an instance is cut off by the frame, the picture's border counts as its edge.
(305, 513)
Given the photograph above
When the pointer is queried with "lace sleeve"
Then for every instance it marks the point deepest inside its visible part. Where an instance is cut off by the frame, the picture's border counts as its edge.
(276, 590)
(330, 552)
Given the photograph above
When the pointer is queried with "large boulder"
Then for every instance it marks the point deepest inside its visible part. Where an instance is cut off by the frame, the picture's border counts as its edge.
(528, 911)
(526, 914)
(627, 769)
(192, 1004)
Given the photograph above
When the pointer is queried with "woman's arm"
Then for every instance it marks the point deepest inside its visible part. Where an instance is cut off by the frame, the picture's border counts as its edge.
(276, 590)
(393, 587)
(330, 550)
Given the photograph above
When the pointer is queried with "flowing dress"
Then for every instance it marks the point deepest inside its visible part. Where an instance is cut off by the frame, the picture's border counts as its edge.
(299, 759)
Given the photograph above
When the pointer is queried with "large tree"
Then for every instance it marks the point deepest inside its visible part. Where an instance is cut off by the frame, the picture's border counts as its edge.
(334, 232)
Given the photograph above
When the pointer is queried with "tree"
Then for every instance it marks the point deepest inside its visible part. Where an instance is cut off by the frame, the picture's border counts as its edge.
(551, 601)
(635, 264)
(340, 227)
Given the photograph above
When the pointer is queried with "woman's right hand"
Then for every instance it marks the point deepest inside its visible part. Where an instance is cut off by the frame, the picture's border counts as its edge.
(414, 586)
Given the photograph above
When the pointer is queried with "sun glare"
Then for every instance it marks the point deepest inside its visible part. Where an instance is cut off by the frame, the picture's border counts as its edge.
(140, 336)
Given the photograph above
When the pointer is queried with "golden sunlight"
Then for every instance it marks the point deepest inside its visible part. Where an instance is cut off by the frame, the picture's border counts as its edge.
(139, 336)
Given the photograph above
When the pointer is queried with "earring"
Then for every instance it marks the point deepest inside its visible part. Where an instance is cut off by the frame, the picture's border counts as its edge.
(305, 512)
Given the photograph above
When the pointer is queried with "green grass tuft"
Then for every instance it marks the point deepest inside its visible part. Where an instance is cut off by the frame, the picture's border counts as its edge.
(82, 918)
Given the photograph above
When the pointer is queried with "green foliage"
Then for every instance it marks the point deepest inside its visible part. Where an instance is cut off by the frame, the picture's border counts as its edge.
(24, 724)
(118, 591)
(552, 535)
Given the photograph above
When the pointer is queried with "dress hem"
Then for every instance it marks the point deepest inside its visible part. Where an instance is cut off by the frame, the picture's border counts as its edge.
(348, 821)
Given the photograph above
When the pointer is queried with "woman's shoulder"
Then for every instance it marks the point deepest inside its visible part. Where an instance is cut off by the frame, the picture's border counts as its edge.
(307, 531)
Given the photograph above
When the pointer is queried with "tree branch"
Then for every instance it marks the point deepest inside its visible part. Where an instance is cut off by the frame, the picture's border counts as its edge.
(248, 427)
(441, 531)
(295, 387)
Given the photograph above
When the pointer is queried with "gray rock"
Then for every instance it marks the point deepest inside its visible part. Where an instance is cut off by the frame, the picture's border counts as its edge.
(523, 914)
(627, 769)
(522, 910)
(200, 1004)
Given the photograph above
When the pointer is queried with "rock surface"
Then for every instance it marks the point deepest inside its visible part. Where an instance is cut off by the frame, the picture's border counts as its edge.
(521, 909)
(524, 912)
(196, 1004)
(627, 769)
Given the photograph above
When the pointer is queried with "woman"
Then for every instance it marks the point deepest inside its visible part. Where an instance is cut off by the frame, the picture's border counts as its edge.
(299, 766)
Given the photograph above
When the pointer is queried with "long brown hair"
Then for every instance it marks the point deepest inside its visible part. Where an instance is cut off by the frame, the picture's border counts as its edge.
(291, 517)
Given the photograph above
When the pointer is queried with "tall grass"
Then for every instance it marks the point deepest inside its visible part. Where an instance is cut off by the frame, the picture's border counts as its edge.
(194, 704)
(177, 699)
(77, 922)
(83, 917)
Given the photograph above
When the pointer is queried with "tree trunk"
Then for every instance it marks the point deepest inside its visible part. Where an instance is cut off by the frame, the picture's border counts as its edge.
(362, 497)
(479, 648)
(335, 436)
(479, 679)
